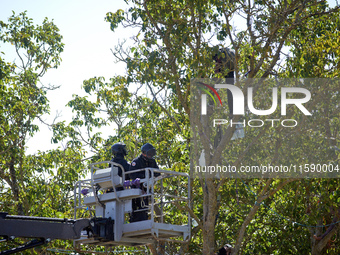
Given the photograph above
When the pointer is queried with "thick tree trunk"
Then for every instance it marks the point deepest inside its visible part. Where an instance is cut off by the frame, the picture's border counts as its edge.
(209, 217)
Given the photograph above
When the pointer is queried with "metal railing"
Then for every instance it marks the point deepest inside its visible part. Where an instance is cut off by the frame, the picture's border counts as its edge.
(167, 192)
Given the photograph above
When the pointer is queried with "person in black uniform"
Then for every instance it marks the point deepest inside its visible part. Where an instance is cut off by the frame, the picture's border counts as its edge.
(224, 60)
(145, 160)
(119, 152)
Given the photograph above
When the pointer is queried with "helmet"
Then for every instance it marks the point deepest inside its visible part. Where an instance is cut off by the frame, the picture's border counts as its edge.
(148, 150)
(226, 57)
(228, 247)
(225, 250)
(118, 148)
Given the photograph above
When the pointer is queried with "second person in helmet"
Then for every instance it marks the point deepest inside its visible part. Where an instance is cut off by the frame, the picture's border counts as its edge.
(145, 160)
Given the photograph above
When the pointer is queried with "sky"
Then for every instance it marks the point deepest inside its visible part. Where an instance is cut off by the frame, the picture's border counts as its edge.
(88, 40)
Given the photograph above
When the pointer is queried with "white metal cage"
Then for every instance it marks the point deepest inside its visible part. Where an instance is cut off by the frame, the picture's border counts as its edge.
(108, 195)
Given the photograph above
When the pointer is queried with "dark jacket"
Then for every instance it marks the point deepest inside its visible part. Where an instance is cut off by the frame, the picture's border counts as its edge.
(140, 163)
(120, 160)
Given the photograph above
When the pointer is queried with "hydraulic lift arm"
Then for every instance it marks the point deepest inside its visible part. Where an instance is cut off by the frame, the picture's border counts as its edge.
(44, 229)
